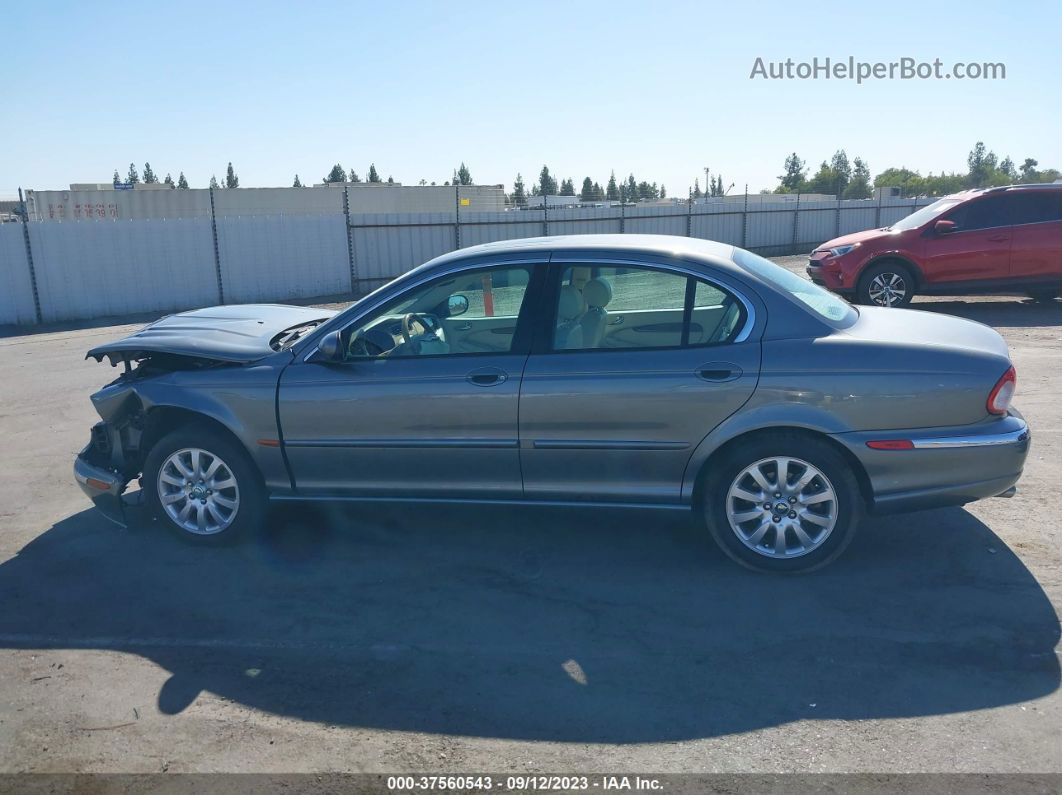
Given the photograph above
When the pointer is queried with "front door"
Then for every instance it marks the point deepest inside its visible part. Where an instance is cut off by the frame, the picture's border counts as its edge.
(978, 249)
(424, 401)
(642, 364)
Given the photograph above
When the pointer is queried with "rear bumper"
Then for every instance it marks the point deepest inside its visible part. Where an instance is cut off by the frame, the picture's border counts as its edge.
(947, 466)
(103, 486)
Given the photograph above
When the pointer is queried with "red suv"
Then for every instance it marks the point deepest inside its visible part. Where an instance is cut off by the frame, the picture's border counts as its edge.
(994, 241)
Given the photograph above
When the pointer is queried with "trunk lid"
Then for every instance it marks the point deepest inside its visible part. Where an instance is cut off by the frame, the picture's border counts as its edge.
(926, 329)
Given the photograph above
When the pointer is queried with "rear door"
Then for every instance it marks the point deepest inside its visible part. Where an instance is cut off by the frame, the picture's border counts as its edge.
(1036, 253)
(978, 249)
(615, 414)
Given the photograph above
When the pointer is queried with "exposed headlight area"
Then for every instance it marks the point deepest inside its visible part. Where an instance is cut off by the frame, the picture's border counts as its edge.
(840, 251)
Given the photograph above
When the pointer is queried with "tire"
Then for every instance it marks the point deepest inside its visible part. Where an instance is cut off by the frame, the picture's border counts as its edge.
(888, 284)
(1044, 296)
(233, 512)
(829, 472)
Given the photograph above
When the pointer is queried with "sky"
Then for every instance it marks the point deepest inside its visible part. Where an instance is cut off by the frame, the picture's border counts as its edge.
(658, 89)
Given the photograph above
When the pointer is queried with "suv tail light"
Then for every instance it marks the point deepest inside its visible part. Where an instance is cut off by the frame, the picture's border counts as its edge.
(1002, 393)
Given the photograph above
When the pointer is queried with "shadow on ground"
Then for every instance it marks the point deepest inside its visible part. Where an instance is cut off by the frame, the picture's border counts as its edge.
(544, 624)
(999, 313)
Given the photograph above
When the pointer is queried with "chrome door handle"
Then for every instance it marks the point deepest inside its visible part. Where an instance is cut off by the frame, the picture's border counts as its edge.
(616, 321)
(463, 327)
(718, 372)
(487, 376)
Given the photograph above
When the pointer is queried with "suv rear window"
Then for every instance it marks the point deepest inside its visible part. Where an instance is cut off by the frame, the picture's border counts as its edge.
(1035, 206)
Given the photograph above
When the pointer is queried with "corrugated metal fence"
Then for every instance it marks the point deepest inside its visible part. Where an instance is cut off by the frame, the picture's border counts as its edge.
(89, 269)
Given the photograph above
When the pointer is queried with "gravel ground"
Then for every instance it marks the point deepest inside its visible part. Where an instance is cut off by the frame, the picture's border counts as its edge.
(486, 639)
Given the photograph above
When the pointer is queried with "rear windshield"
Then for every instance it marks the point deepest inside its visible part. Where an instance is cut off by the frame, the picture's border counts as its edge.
(823, 303)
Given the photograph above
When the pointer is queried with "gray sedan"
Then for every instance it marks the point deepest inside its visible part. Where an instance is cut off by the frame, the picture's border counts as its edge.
(593, 371)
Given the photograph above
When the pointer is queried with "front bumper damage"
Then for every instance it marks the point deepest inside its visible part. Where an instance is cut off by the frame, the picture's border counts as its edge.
(101, 472)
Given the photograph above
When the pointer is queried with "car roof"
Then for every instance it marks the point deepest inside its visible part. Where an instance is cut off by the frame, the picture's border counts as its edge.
(719, 254)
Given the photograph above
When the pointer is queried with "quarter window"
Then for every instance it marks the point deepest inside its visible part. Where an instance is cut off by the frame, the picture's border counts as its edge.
(620, 308)
(1036, 207)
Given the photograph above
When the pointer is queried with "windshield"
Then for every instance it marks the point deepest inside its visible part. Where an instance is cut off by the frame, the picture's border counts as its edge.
(927, 213)
(823, 303)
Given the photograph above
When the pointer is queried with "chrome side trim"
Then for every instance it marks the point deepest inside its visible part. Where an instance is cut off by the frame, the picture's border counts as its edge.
(985, 440)
(545, 503)
(606, 444)
(511, 444)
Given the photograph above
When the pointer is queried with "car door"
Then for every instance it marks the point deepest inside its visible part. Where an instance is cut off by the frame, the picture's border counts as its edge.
(977, 249)
(1036, 253)
(638, 364)
(410, 410)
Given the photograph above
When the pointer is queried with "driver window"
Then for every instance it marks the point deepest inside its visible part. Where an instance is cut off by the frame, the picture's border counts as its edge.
(469, 312)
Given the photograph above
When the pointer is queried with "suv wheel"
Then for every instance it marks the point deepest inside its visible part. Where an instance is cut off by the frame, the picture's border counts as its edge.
(203, 486)
(784, 503)
(886, 284)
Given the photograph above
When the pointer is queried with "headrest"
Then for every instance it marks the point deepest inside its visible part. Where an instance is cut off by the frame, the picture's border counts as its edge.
(570, 305)
(580, 275)
(597, 292)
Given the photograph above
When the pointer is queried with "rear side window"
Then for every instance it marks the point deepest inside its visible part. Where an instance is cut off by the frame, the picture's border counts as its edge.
(1036, 207)
(823, 303)
(624, 308)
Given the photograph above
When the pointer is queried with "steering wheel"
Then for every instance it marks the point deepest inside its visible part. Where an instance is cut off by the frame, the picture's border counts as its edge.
(424, 320)
(363, 347)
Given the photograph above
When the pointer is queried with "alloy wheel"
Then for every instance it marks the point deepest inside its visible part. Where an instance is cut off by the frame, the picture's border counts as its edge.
(887, 289)
(782, 507)
(198, 491)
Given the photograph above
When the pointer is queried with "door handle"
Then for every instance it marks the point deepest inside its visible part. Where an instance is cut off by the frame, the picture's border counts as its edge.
(487, 376)
(718, 372)
(998, 238)
(463, 327)
(616, 321)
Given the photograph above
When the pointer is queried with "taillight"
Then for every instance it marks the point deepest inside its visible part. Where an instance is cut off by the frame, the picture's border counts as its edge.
(1002, 393)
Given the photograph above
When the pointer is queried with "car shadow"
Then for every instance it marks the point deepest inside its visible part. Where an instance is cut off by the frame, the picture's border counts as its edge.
(1001, 313)
(545, 624)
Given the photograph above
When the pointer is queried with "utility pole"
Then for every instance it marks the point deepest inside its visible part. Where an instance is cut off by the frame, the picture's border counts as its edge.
(706, 172)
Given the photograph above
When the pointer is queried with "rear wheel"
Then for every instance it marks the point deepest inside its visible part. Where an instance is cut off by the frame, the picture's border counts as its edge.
(886, 284)
(782, 503)
(203, 486)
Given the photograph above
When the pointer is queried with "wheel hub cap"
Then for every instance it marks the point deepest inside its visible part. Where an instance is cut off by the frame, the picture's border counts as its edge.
(887, 289)
(782, 507)
(198, 491)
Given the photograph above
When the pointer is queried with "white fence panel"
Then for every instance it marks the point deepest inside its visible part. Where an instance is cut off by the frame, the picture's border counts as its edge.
(479, 228)
(16, 295)
(388, 245)
(280, 257)
(718, 225)
(88, 269)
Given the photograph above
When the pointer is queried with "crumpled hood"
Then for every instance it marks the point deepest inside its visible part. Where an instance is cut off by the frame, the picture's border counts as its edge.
(240, 333)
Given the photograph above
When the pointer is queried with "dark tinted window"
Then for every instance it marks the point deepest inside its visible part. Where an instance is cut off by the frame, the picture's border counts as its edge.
(1036, 207)
(983, 213)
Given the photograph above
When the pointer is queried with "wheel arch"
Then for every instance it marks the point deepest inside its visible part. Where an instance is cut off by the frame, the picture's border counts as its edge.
(718, 453)
(907, 262)
(164, 419)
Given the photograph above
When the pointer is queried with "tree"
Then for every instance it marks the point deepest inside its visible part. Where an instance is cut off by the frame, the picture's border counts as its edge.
(792, 181)
(231, 180)
(611, 191)
(697, 189)
(859, 186)
(464, 176)
(567, 188)
(842, 171)
(390, 180)
(337, 174)
(663, 191)
(599, 194)
(981, 163)
(297, 183)
(354, 176)
(213, 181)
(116, 180)
(149, 175)
(587, 192)
(373, 176)
(132, 177)
(632, 188)
(1007, 169)
(168, 181)
(519, 192)
(547, 185)
(182, 183)
(1028, 170)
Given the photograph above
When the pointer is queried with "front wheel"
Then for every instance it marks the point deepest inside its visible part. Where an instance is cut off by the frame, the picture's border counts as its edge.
(203, 486)
(782, 503)
(888, 284)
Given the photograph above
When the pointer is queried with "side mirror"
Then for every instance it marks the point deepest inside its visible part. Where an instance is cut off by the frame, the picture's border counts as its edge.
(944, 227)
(328, 348)
(456, 305)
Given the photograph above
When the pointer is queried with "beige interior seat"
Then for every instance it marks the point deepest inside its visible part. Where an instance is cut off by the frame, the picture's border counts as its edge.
(597, 293)
(570, 310)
